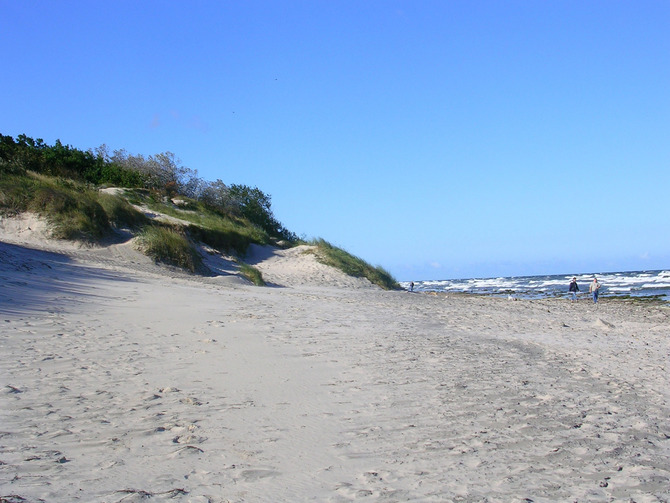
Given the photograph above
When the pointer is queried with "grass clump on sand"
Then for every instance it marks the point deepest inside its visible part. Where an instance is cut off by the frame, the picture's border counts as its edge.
(15, 193)
(73, 209)
(252, 274)
(336, 257)
(205, 224)
(165, 244)
(121, 213)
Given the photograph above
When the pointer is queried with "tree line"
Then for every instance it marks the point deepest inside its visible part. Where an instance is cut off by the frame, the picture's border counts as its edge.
(161, 173)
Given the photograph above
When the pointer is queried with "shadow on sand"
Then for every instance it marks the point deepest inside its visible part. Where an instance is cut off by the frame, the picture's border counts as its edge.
(33, 281)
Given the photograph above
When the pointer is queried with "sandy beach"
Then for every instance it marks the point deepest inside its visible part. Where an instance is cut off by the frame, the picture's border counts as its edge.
(123, 381)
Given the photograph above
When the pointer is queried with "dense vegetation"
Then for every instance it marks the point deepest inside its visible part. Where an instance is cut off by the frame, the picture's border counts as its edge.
(62, 184)
(161, 173)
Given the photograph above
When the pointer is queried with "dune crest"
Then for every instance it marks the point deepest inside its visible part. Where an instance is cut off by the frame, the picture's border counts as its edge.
(280, 267)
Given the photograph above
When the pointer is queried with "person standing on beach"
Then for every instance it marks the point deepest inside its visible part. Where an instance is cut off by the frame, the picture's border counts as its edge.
(594, 288)
(411, 286)
(574, 288)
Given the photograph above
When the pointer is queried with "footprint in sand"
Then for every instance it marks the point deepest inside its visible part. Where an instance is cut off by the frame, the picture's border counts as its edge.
(188, 439)
(257, 474)
(191, 401)
(187, 450)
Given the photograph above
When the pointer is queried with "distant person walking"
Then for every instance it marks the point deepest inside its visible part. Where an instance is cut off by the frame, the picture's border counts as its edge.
(411, 286)
(574, 288)
(594, 289)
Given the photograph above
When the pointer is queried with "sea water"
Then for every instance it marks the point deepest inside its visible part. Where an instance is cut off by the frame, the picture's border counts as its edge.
(633, 284)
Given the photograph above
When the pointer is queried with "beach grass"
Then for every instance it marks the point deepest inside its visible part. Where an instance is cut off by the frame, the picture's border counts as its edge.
(220, 231)
(76, 211)
(72, 208)
(252, 274)
(79, 211)
(166, 244)
(15, 193)
(336, 257)
(121, 213)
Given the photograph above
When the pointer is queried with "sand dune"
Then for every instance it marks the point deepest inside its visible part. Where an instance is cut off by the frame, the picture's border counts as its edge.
(123, 381)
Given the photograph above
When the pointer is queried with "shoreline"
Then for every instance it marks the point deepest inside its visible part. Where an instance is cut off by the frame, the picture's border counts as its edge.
(649, 284)
(122, 383)
(656, 300)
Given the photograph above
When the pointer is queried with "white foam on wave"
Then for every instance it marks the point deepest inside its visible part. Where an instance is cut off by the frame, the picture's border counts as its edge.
(633, 283)
(656, 285)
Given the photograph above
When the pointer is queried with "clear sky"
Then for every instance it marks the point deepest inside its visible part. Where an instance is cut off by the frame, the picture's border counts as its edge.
(438, 139)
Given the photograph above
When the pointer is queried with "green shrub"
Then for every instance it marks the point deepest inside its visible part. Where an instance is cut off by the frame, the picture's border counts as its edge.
(166, 245)
(112, 174)
(254, 205)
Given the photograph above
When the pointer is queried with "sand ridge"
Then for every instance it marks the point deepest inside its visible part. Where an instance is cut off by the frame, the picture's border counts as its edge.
(136, 383)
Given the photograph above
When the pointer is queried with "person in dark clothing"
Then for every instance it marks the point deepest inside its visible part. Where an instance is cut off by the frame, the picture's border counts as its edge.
(574, 288)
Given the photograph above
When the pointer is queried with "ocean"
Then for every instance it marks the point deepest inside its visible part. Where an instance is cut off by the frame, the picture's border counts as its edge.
(613, 284)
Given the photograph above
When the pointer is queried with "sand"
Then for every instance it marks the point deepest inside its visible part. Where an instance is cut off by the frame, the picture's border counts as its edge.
(125, 381)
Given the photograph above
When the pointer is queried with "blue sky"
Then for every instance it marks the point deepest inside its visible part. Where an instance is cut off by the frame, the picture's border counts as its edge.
(439, 139)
